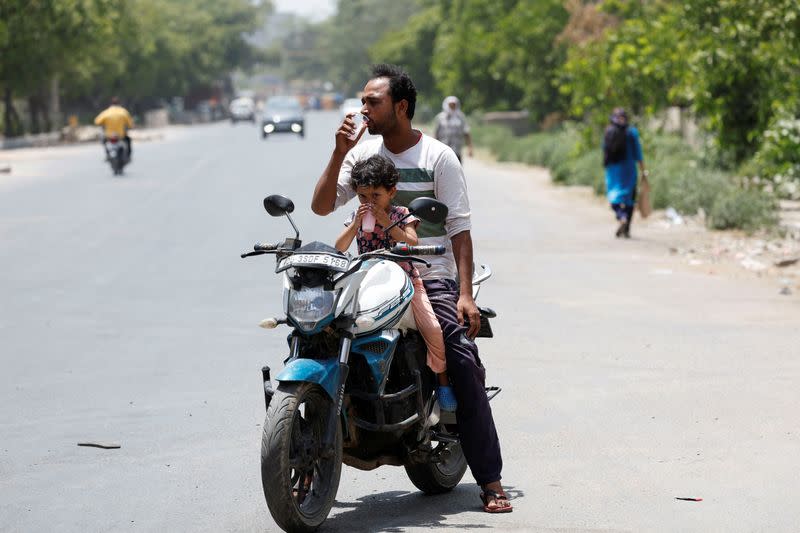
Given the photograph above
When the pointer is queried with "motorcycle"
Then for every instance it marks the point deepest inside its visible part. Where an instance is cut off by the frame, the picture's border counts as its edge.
(355, 388)
(116, 153)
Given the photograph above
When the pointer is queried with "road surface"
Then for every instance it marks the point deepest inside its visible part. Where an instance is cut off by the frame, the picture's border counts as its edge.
(629, 379)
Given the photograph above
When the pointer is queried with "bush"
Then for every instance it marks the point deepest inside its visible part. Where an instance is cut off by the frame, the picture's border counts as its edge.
(745, 209)
(776, 166)
(679, 177)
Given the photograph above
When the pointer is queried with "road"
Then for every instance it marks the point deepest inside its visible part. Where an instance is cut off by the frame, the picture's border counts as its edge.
(629, 378)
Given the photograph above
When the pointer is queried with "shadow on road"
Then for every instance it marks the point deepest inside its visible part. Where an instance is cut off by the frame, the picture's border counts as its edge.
(394, 511)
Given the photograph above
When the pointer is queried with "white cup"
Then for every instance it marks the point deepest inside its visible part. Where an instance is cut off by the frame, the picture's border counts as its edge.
(359, 121)
(368, 222)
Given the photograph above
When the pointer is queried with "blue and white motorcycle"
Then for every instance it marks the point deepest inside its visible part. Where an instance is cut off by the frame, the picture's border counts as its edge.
(355, 388)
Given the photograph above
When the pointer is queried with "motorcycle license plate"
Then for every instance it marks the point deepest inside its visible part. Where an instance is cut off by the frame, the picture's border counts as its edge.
(310, 260)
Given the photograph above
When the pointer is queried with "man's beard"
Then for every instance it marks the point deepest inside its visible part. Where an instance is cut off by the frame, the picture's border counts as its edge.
(381, 129)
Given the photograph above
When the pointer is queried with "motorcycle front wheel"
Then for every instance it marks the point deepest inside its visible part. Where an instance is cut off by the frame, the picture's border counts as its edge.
(441, 477)
(299, 479)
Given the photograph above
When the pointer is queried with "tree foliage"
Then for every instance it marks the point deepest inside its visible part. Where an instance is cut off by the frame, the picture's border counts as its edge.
(734, 63)
(142, 50)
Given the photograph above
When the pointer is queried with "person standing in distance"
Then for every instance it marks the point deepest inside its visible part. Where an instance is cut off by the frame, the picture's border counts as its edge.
(452, 128)
(428, 167)
(622, 150)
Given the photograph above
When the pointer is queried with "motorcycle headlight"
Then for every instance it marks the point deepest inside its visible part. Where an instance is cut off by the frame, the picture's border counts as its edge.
(311, 307)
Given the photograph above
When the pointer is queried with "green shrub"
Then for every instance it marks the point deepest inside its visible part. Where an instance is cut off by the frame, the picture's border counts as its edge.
(776, 166)
(679, 177)
(749, 210)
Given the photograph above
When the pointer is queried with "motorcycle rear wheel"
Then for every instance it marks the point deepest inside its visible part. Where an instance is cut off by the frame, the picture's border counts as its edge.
(438, 478)
(299, 481)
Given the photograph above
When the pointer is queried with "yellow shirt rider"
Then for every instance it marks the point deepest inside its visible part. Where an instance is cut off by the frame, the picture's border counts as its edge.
(116, 120)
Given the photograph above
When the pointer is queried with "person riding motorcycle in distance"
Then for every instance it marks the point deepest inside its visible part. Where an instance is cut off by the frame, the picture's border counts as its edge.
(116, 120)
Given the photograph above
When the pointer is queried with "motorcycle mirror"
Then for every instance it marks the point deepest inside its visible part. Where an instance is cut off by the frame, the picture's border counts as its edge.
(277, 205)
(428, 209)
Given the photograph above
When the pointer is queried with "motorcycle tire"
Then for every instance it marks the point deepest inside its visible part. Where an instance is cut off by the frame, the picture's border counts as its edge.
(299, 499)
(438, 478)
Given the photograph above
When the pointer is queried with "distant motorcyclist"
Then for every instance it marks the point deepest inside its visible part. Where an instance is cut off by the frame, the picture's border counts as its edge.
(116, 121)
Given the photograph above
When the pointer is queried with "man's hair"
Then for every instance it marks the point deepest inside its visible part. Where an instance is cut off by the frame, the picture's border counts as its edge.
(114, 100)
(375, 171)
(400, 85)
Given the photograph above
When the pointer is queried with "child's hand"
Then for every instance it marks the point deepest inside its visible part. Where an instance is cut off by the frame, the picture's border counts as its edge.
(362, 209)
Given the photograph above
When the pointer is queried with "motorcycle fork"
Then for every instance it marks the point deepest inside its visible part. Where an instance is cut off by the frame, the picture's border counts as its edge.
(336, 407)
(294, 350)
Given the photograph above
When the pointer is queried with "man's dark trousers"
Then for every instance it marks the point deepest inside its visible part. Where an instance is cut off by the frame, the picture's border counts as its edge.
(468, 377)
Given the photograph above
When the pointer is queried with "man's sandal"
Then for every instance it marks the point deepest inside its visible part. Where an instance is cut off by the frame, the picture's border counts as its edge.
(500, 500)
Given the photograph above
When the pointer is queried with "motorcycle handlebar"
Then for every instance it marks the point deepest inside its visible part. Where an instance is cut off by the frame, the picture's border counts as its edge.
(260, 248)
(405, 249)
(264, 247)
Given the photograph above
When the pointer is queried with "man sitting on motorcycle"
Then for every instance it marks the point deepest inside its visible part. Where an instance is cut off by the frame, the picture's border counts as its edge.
(428, 167)
(116, 121)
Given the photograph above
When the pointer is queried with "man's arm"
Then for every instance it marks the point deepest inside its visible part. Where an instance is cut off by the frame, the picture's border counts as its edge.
(324, 199)
(462, 250)
(467, 136)
(437, 132)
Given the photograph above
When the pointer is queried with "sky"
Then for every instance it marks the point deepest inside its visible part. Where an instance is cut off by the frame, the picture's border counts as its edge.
(314, 9)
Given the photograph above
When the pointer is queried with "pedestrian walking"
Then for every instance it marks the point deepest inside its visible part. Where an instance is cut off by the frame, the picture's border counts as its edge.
(452, 128)
(622, 151)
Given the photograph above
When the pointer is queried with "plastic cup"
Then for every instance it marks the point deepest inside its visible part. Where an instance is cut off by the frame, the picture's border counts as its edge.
(358, 120)
(368, 222)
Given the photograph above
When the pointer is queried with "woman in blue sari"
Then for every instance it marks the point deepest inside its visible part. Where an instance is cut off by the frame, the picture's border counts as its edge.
(622, 150)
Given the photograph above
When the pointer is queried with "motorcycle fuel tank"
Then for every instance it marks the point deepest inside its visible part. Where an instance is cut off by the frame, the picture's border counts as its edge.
(383, 297)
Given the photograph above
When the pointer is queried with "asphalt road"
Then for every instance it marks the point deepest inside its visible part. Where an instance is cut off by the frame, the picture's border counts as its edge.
(127, 316)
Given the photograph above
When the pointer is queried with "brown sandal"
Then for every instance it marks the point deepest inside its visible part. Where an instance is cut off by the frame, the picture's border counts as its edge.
(501, 503)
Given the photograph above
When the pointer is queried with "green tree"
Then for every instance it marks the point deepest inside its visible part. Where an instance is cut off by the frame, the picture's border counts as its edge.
(412, 47)
(349, 34)
(501, 55)
(744, 66)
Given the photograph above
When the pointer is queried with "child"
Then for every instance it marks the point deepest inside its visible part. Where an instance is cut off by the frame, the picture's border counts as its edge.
(375, 182)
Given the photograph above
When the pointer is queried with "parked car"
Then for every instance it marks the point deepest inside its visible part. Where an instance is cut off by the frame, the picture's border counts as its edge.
(283, 114)
(243, 109)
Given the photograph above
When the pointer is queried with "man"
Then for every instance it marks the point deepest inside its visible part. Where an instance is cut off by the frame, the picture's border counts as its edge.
(622, 150)
(452, 128)
(427, 167)
(116, 120)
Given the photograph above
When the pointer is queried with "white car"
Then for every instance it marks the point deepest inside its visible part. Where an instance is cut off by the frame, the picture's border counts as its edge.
(243, 109)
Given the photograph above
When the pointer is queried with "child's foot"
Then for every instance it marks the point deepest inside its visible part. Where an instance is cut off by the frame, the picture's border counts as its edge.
(447, 399)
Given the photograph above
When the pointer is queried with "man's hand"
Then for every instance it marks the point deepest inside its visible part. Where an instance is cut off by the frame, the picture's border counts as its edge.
(468, 309)
(343, 141)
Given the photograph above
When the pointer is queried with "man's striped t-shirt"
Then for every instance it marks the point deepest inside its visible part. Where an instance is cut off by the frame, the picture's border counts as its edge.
(429, 168)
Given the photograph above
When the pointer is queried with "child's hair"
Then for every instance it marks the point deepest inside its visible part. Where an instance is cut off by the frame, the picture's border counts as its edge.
(375, 171)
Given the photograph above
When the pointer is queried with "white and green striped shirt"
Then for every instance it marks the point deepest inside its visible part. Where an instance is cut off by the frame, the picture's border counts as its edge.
(429, 168)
